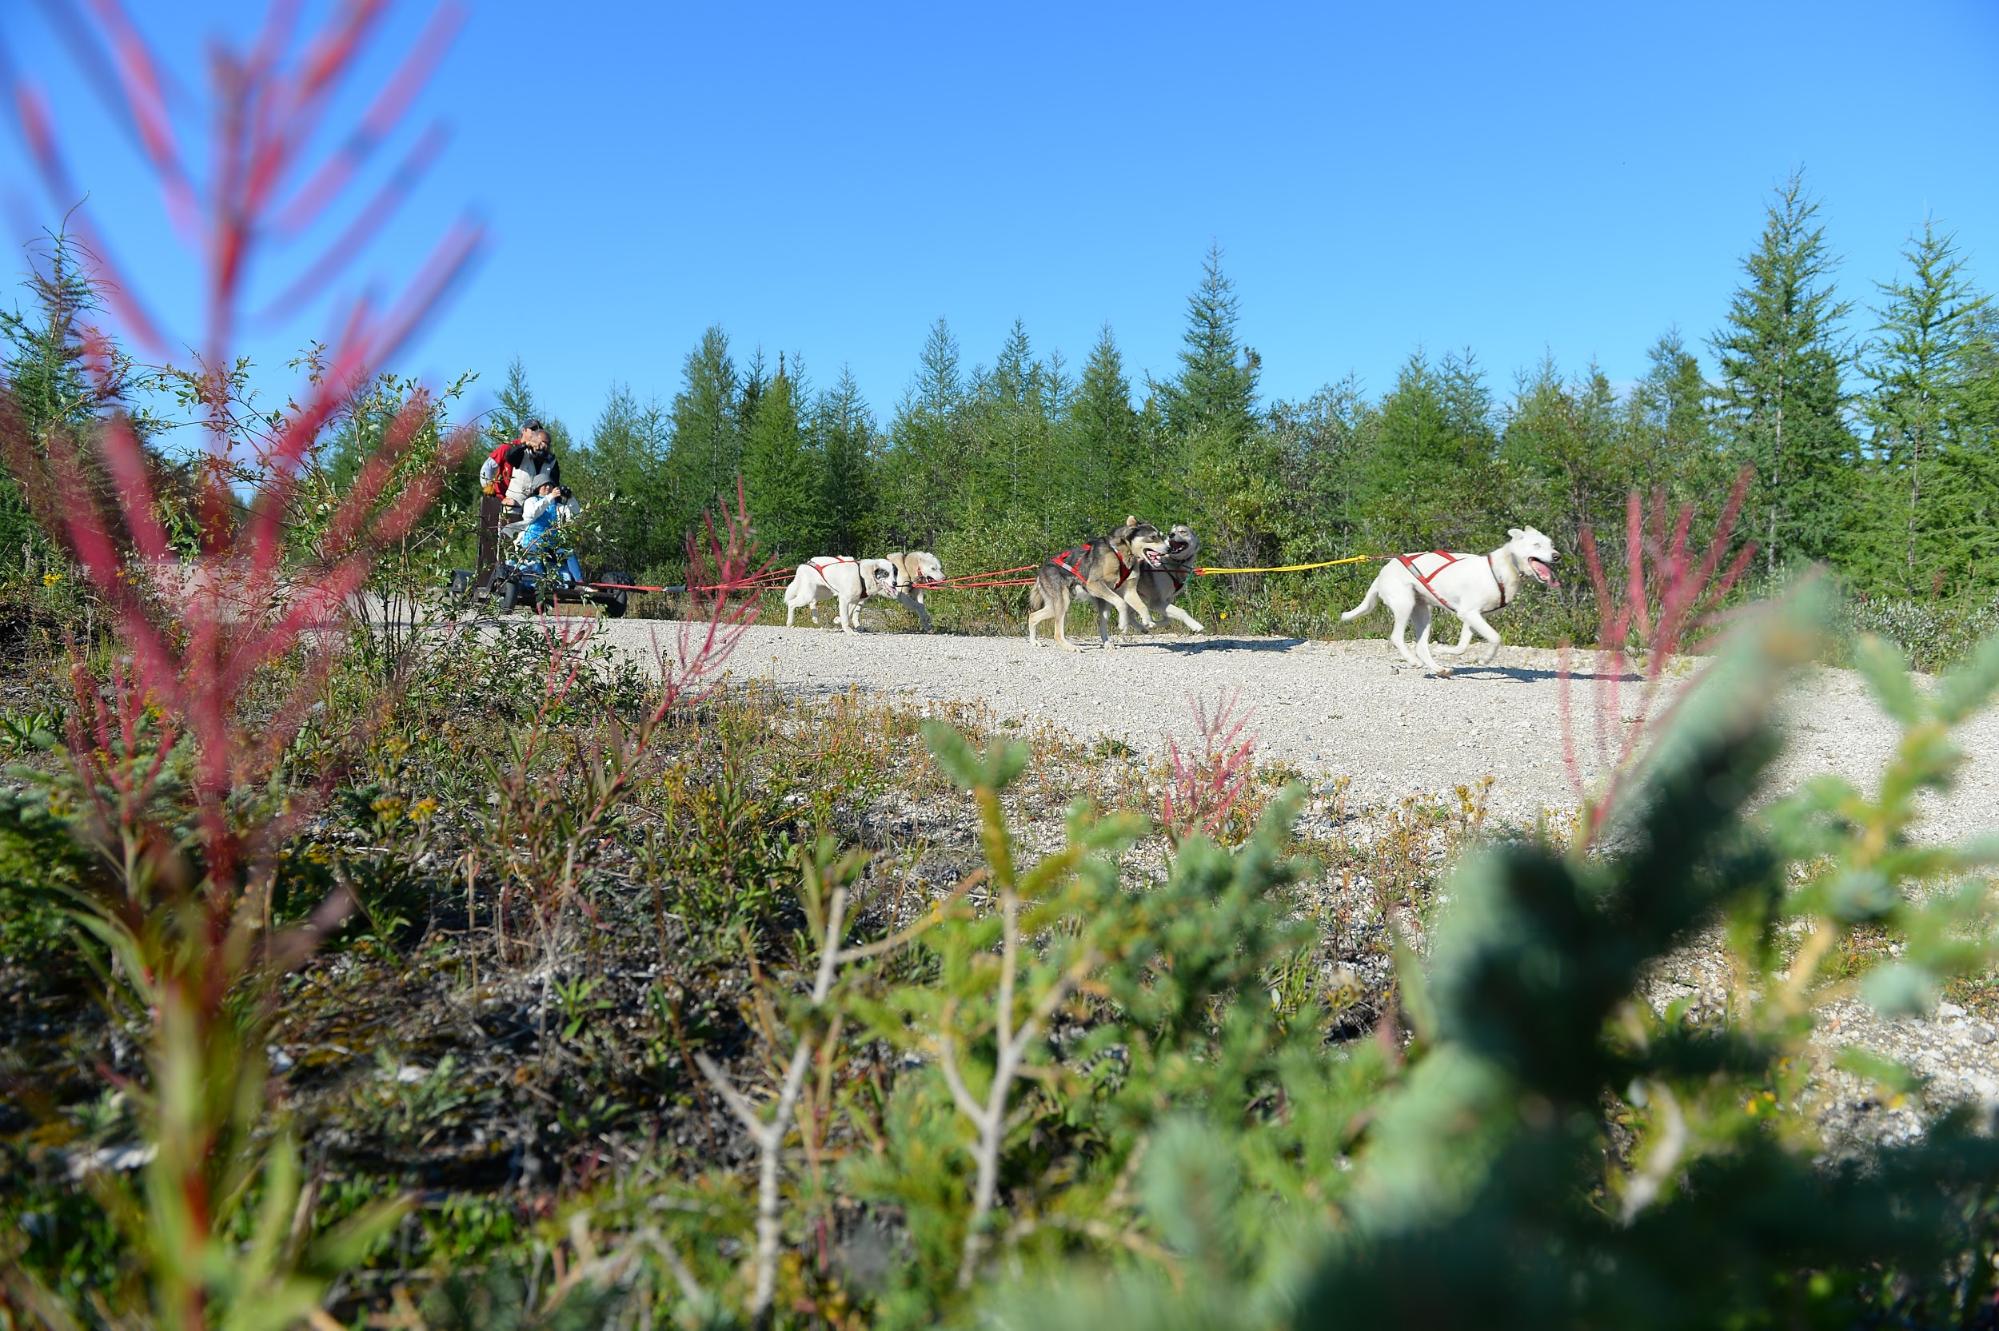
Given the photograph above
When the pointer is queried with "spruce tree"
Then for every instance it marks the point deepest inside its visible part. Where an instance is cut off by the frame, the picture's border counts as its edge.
(1561, 449)
(844, 437)
(929, 453)
(1431, 480)
(1780, 392)
(625, 467)
(1107, 449)
(1922, 408)
(783, 476)
(705, 451)
(59, 397)
(1215, 392)
(1669, 428)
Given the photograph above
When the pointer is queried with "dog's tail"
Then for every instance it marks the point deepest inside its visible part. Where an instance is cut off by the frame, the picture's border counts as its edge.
(1368, 602)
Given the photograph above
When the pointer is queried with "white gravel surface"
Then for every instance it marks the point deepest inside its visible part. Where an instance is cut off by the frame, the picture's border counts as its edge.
(1328, 708)
(1353, 709)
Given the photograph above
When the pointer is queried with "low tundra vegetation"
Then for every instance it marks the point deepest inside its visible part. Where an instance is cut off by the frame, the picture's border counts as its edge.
(632, 1002)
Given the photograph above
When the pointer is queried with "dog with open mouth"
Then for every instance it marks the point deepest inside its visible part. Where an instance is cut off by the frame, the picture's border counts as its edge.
(1470, 586)
(1160, 584)
(1100, 569)
(843, 579)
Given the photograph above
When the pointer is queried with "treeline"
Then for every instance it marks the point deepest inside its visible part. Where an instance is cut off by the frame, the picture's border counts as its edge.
(1873, 449)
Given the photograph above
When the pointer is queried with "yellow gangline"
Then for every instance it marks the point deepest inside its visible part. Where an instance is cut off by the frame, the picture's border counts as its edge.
(1293, 568)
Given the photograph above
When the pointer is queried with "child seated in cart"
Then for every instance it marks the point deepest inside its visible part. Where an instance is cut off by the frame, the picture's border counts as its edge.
(539, 534)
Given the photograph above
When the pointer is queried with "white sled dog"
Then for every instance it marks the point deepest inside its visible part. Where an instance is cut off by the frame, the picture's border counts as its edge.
(840, 578)
(1469, 586)
(913, 568)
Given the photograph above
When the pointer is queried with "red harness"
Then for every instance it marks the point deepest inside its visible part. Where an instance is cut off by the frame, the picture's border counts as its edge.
(817, 566)
(1062, 561)
(1409, 562)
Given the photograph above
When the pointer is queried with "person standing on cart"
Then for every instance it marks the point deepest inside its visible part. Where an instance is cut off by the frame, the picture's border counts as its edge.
(509, 475)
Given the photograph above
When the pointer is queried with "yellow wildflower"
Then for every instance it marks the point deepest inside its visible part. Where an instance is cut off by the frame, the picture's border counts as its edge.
(422, 809)
(51, 578)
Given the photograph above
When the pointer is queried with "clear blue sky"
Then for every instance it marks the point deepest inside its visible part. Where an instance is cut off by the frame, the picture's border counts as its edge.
(829, 179)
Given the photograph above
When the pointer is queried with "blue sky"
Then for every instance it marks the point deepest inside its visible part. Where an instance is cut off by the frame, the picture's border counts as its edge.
(1569, 179)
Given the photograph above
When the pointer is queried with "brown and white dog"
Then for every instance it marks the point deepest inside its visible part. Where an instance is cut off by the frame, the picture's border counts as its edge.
(1101, 569)
(913, 568)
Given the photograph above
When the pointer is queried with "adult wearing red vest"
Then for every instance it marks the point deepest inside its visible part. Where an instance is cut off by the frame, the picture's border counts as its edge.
(528, 449)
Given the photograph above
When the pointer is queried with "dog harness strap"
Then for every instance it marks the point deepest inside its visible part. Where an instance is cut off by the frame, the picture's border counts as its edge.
(1409, 562)
(1123, 570)
(1061, 561)
(819, 566)
(1496, 581)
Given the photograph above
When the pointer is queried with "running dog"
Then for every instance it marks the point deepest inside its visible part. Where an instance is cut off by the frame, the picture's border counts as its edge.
(840, 578)
(1469, 586)
(1100, 568)
(1160, 584)
(913, 568)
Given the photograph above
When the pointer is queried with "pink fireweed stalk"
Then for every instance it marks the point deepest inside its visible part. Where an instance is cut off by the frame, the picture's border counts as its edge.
(1203, 788)
(1671, 595)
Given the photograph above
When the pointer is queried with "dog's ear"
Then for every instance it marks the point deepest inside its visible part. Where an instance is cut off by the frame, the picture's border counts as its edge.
(1131, 520)
(1515, 533)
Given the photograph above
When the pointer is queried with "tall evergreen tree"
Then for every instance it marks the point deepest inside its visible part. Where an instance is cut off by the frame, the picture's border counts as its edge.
(59, 396)
(516, 405)
(1780, 390)
(1921, 364)
(625, 466)
(1431, 479)
(1215, 392)
(706, 449)
(1669, 428)
(1107, 443)
(1561, 449)
(928, 453)
(783, 476)
(844, 435)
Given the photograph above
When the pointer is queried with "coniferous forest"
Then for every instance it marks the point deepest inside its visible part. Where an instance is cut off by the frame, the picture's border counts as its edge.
(1868, 409)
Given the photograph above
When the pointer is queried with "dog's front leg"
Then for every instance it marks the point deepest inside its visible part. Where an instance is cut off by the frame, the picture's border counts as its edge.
(1464, 636)
(1185, 620)
(846, 613)
(1423, 642)
(1130, 597)
(1474, 620)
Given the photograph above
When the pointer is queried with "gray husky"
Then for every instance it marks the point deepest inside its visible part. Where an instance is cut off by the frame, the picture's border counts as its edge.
(1100, 568)
(1160, 584)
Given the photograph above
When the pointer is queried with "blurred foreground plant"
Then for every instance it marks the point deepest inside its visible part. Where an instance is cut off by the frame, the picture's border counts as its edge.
(174, 759)
(1562, 1151)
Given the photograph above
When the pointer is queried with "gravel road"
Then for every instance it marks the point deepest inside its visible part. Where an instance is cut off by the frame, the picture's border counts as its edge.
(1327, 708)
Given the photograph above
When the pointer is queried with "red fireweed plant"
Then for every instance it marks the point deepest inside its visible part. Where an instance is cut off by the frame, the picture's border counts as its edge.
(1204, 786)
(173, 752)
(1670, 599)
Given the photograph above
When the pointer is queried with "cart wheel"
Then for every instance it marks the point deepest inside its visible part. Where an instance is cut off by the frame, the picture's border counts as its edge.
(615, 602)
(510, 595)
(461, 584)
